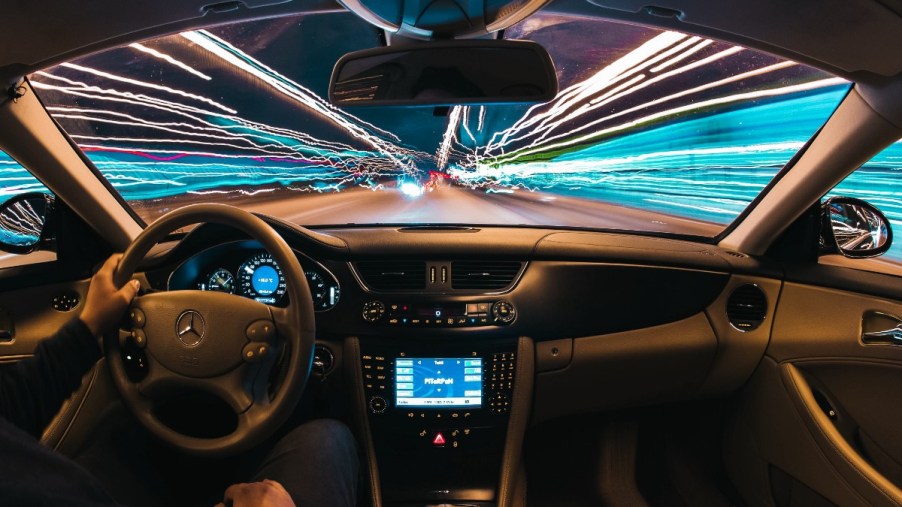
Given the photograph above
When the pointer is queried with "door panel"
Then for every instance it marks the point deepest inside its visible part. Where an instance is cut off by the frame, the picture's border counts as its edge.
(823, 407)
(31, 312)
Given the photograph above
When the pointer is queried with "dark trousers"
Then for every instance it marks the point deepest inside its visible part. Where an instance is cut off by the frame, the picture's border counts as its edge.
(316, 462)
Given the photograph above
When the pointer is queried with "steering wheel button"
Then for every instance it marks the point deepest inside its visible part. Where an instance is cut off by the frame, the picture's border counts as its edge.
(139, 338)
(260, 331)
(137, 317)
(254, 351)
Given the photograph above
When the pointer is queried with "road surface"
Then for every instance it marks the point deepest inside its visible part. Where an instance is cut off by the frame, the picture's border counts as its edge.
(452, 204)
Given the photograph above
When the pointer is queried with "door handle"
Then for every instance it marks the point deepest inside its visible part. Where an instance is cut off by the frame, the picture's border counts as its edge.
(885, 335)
(892, 336)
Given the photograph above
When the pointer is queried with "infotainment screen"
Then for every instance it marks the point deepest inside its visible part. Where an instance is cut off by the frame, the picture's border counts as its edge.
(438, 382)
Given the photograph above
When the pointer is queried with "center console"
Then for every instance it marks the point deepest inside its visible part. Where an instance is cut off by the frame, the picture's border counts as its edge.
(437, 414)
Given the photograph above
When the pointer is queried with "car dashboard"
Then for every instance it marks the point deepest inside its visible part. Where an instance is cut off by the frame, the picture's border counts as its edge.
(448, 342)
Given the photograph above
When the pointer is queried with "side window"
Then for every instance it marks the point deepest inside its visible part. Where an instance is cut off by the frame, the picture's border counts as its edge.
(16, 180)
(879, 182)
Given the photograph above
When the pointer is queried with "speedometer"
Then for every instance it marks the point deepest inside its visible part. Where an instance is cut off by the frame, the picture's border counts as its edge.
(260, 279)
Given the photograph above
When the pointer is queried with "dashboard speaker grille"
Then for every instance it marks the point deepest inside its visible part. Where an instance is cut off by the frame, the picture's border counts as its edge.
(393, 274)
(747, 307)
(484, 275)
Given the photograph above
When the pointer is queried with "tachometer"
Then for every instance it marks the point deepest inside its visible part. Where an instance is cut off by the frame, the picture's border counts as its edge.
(220, 280)
(260, 278)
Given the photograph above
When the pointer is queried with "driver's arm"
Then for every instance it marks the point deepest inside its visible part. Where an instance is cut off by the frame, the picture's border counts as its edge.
(32, 390)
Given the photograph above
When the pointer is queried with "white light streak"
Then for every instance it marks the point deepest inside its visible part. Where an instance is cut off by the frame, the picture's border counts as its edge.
(169, 59)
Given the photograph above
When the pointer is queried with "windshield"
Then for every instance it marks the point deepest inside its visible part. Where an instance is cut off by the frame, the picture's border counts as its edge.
(651, 131)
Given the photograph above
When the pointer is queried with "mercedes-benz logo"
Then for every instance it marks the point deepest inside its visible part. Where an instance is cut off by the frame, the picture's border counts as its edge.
(190, 328)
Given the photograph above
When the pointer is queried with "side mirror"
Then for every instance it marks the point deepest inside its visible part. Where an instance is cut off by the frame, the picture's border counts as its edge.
(854, 228)
(22, 222)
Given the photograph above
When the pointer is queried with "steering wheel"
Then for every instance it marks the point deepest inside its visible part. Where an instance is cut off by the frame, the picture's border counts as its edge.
(213, 343)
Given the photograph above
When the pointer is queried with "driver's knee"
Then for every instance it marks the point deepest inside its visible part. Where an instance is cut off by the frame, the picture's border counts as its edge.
(315, 462)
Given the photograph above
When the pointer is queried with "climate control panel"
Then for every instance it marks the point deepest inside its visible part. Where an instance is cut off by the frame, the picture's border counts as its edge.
(476, 314)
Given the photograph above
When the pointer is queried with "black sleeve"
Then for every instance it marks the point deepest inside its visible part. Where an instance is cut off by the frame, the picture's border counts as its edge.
(32, 390)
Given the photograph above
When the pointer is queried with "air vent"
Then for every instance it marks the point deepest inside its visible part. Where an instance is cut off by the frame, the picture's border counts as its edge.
(747, 307)
(483, 275)
(393, 275)
(736, 254)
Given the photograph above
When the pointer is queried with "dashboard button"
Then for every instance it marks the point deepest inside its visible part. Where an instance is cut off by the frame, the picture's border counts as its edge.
(378, 404)
(373, 311)
(503, 312)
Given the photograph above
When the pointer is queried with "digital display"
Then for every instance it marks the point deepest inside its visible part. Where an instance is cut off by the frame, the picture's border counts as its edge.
(438, 382)
(265, 280)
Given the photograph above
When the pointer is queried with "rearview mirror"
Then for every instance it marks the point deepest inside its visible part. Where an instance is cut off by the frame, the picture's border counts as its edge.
(445, 73)
(22, 221)
(854, 228)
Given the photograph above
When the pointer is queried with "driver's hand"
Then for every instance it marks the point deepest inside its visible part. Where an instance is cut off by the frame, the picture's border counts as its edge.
(256, 494)
(105, 302)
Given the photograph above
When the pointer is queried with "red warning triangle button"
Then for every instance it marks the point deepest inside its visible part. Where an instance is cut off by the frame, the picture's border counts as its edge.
(439, 439)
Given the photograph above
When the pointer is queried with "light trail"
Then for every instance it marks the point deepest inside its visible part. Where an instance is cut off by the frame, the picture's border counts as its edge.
(449, 136)
(697, 106)
(300, 94)
(162, 56)
(202, 139)
(144, 84)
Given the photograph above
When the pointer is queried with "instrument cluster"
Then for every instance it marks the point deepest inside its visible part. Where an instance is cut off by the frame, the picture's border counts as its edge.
(245, 269)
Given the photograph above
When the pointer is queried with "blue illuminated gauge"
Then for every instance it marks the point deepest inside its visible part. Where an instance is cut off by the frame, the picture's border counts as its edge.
(260, 279)
(220, 280)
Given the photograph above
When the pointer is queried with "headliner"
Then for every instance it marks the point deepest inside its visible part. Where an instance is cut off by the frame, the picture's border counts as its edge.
(855, 39)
